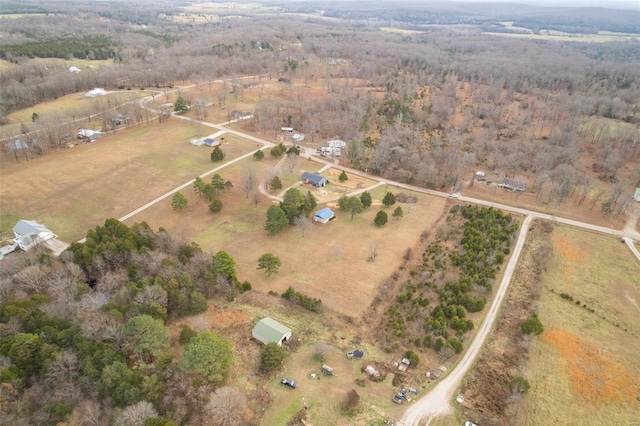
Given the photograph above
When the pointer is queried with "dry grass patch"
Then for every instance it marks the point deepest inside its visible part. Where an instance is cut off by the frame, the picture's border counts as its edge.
(73, 105)
(328, 262)
(71, 191)
(585, 368)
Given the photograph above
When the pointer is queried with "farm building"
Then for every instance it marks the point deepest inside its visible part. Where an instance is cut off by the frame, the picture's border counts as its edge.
(336, 143)
(481, 176)
(323, 215)
(268, 330)
(637, 195)
(210, 141)
(315, 179)
(30, 233)
(88, 134)
(98, 91)
(17, 144)
(514, 185)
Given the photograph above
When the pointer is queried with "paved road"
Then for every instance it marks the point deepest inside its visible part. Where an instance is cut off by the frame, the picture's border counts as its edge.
(438, 401)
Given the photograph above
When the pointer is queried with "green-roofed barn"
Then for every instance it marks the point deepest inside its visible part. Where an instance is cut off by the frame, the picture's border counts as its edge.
(268, 330)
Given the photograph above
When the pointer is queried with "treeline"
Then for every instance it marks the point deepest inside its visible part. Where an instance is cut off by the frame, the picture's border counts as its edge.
(85, 336)
(455, 272)
(86, 47)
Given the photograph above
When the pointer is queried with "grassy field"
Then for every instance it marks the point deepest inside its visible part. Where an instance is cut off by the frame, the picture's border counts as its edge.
(73, 105)
(74, 190)
(326, 262)
(585, 368)
(6, 65)
(583, 38)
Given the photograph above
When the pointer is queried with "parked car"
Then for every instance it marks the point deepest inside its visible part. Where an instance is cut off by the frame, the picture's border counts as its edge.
(454, 195)
(289, 382)
(468, 423)
(396, 399)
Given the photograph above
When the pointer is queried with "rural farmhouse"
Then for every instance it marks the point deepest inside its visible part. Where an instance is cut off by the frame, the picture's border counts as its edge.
(30, 233)
(315, 179)
(268, 330)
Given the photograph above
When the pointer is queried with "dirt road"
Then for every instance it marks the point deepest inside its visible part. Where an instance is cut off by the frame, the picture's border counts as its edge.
(438, 401)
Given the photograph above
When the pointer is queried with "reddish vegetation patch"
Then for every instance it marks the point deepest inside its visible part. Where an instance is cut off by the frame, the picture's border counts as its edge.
(566, 249)
(594, 374)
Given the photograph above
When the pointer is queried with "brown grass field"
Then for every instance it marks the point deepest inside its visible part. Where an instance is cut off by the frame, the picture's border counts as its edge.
(75, 104)
(328, 262)
(585, 367)
(74, 190)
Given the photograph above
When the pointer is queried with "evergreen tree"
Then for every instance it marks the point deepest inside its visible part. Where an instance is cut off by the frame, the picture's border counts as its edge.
(276, 220)
(275, 184)
(217, 154)
(215, 205)
(270, 263)
(366, 199)
(397, 213)
(209, 355)
(381, 218)
(180, 105)
(389, 199)
(198, 186)
(271, 357)
(179, 201)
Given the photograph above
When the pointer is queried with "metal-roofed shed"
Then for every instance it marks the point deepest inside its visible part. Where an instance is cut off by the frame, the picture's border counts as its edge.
(268, 330)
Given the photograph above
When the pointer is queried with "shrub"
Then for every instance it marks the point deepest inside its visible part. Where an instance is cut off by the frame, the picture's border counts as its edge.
(532, 326)
(519, 385)
(412, 357)
(271, 357)
(186, 334)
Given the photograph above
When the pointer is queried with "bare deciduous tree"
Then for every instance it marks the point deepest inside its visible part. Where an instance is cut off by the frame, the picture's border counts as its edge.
(65, 367)
(320, 351)
(135, 415)
(152, 294)
(31, 279)
(303, 223)
(249, 174)
(292, 161)
(90, 413)
(226, 407)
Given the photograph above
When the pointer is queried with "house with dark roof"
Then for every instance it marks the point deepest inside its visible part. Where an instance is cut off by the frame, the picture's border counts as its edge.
(514, 185)
(268, 330)
(323, 215)
(30, 233)
(315, 179)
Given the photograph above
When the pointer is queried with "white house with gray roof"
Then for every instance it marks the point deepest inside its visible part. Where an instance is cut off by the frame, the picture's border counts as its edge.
(30, 233)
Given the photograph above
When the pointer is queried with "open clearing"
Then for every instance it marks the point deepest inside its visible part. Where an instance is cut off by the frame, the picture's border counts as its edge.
(75, 190)
(329, 262)
(585, 367)
(75, 105)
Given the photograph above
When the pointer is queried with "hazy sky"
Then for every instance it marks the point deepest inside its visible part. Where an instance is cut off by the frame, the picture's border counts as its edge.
(614, 4)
